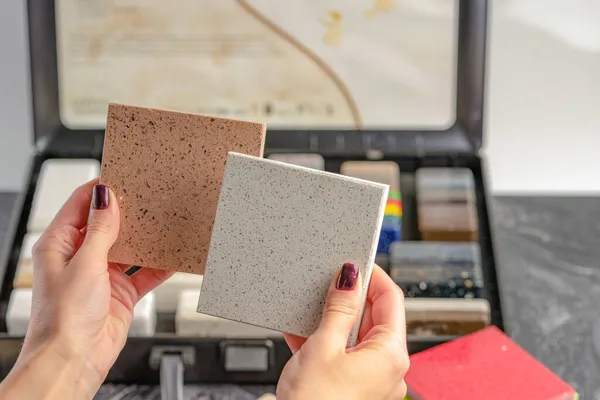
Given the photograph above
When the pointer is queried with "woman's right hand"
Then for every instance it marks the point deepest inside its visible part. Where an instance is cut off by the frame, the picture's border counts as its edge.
(323, 368)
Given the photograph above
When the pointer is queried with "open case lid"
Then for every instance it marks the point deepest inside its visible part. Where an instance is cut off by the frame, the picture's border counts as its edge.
(328, 76)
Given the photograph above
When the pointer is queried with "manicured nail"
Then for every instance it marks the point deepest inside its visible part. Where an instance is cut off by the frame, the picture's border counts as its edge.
(348, 277)
(100, 197)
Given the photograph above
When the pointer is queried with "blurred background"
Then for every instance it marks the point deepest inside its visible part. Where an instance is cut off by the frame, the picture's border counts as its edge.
(543, 92)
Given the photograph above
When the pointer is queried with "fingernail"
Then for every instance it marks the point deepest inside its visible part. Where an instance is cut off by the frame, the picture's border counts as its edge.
(100, 197)
(348, 277)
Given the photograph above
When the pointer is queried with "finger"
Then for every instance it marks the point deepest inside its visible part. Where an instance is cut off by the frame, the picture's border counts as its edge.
(103, 226)
(63, 236)
(341, 308)
(387, 302)
(403, 389)
(294, 342)
(128, 290)
(147, 279)
(400, 392)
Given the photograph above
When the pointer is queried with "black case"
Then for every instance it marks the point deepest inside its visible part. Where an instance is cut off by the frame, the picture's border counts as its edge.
(203, 359)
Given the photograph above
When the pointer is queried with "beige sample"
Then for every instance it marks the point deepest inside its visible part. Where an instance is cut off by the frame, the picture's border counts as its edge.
(24, 273)
(431, 317)
(166, 169)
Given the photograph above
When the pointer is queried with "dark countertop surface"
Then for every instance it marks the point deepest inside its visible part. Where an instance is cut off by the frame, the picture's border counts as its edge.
(548, 260)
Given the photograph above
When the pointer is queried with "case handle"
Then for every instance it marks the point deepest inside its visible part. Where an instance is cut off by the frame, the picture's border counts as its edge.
(172, 361)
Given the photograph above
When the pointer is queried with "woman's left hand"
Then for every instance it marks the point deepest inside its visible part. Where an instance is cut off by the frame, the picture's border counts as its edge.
(82, 304)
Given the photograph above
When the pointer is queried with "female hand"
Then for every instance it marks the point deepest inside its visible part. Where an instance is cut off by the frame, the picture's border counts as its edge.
(82, 304)
(323, 368)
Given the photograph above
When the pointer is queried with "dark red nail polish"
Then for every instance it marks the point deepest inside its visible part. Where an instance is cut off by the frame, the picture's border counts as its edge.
(348, 277)
(100, 197)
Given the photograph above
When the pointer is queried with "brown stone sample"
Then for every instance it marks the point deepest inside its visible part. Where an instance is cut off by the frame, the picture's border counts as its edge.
(448, 222)
(166, 169)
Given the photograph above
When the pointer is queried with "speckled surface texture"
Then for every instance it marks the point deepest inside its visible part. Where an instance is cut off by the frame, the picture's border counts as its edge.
(280, 234)
(166, 168)
(547, 260)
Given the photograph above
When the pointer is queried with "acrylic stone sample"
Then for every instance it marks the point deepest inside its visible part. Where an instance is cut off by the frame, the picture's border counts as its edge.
(430, 269)
(19, 313)
(307, 160)
(484, 365)
(166, 169)
(280, 234)
(167, 293)
(446, 204)
(144, 317)
(24, 273)
(448, 222)
(57, 180)
(445, 184)
(188, 322)
(435, 316)
(386, 172)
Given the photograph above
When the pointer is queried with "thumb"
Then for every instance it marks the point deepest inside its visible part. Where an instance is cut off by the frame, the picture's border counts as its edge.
(103, 224)
(341, 307)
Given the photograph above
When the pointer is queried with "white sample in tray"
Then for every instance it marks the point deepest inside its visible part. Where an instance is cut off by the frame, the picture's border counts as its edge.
(167, 293)
(24, 273)
(57, 180)
(19, 313)
(188, 322)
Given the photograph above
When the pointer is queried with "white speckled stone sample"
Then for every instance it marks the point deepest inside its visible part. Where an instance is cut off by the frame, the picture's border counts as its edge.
(280, 234)
(167, 293)
(165, 167)
(188, 322)
(19, 313)
(24, 273)
(57, 180)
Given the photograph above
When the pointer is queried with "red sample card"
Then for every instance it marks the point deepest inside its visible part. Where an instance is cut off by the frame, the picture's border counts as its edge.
(483, 365)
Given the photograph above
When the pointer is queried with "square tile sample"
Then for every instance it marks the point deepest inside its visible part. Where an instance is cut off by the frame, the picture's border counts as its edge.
(19, 313)
(57, 180)
(144, 317)
(280, 234)
(448, 222)
(440, 317)
(189, 322)
(308, 160)
(167, 293)
(24, 273)
(387, 172)
(444, 269)
(445, 185)
(166, 169)
(476, 367)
